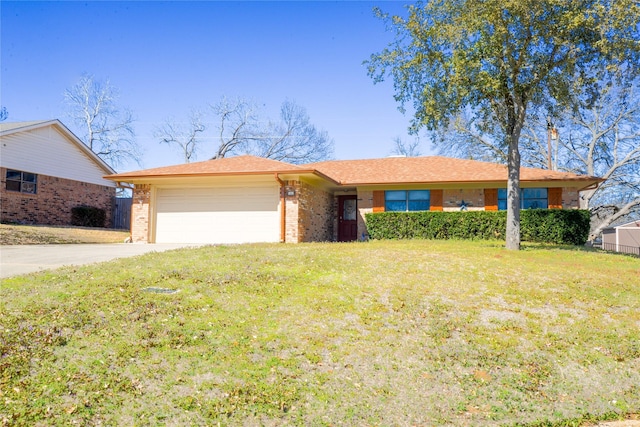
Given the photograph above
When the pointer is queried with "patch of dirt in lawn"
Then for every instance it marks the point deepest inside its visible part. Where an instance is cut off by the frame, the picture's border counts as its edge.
(41, 235)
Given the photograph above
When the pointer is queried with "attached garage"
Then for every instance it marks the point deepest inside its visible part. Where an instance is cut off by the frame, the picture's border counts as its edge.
(243, 213)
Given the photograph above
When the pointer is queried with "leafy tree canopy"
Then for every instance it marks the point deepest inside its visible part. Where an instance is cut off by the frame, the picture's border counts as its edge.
(497, 59)
(503, 56)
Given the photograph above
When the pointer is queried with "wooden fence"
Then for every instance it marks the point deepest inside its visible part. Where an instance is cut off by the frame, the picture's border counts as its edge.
(122, 213)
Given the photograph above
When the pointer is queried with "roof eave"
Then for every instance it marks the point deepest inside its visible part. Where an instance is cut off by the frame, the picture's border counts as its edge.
(83, 146)
(29, 126)
(590, 180)
(142, 178)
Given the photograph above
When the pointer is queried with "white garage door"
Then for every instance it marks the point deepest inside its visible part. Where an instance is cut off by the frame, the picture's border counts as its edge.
(218, 214)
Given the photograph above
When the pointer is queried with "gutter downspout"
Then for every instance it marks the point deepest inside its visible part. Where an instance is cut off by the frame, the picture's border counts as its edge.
(283, 209)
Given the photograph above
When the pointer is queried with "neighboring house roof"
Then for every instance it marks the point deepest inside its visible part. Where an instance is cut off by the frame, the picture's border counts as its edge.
(7, 129)
(21, 126)
(632, 225)
(386, 171)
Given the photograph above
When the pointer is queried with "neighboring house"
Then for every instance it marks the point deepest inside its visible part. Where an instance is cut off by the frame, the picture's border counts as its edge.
(46, 171)
(252, 199)
(624, 238)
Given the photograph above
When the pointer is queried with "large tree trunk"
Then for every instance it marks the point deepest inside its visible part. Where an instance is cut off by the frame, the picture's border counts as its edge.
(513, 196)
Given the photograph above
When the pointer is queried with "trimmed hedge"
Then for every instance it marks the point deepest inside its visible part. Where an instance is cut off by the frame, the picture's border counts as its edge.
(88, 216)
(556, 226)
(559, 226)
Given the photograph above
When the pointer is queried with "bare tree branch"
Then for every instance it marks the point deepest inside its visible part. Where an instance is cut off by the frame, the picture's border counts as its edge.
(237, 121)
(602, 138)
(471, 139)
(293, 139)
(108, 130)
(407, 149)
(185, 136)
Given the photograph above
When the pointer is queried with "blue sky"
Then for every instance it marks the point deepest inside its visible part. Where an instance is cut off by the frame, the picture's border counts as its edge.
(167, 57)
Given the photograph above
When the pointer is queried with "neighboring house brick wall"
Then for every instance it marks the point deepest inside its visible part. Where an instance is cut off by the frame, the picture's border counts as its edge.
(140, 213)
(53, 201)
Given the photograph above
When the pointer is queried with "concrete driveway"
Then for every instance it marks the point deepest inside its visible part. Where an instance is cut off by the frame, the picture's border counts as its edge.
(23, 259)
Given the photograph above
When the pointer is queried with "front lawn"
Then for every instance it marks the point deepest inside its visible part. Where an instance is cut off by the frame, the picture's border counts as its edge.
(377, 333)
(13, 234)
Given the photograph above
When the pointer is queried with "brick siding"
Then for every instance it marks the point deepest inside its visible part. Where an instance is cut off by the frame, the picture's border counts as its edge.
(570, 198)
(53, 201)
(316, 214)
(365, 206)
(309, 213)
(474, 198)
(140, 213)
(291, 191)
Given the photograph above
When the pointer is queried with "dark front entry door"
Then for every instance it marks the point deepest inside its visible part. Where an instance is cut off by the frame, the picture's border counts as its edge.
(347, 218)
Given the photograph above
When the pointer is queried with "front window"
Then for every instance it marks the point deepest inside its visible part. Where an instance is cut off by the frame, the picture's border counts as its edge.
(534, 198)
(23, 182)
(403, 201)
(530, 198)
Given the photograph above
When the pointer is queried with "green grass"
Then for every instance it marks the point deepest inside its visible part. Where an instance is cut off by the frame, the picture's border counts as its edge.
(377, 333)
(12, 234)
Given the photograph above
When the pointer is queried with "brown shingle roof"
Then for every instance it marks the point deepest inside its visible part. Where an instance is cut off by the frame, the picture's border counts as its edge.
(432, 169)
(240, 165)
(390, 170)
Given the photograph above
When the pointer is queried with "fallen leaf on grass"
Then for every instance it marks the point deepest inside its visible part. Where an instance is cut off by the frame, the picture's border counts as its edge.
(482, 375)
